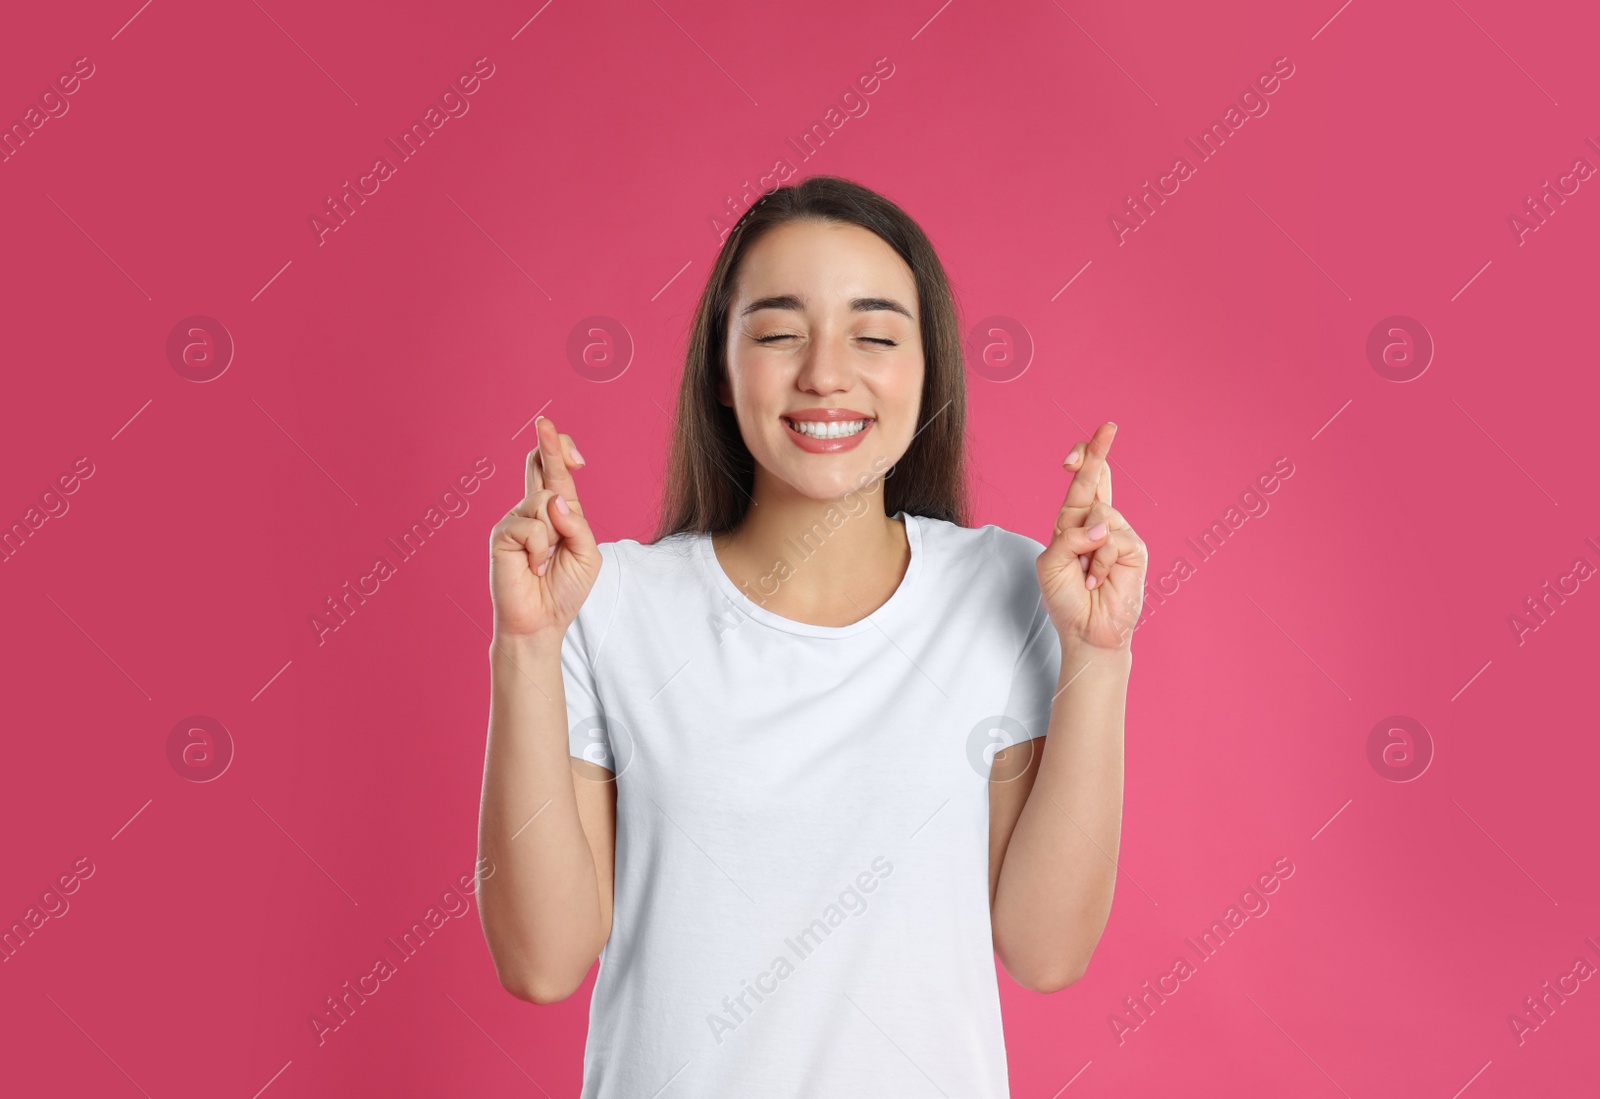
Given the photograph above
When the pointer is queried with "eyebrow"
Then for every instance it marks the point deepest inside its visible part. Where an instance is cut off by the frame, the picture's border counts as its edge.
(797, 304)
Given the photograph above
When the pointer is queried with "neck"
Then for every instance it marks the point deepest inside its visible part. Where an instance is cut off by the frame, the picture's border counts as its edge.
(804, 554)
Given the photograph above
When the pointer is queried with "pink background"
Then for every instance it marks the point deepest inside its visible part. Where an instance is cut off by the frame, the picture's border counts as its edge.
(372, 370)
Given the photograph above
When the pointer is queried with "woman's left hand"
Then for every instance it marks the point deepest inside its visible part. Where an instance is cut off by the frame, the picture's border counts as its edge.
(1093, 587)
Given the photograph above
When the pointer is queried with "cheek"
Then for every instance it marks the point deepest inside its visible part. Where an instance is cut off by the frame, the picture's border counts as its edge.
(903, 391)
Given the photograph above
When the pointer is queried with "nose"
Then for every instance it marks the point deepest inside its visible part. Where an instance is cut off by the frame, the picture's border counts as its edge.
(826, 368)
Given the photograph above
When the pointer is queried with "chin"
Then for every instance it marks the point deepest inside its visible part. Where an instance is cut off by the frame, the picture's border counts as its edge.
(856, 478)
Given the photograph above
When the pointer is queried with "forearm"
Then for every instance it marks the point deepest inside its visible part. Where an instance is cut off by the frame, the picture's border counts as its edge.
(1055, 886)
(539, 898)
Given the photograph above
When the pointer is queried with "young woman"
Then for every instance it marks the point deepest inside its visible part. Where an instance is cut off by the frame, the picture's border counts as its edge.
(806, 805)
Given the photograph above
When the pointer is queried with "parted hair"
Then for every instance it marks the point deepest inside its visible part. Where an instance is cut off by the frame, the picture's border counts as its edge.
(710, 472)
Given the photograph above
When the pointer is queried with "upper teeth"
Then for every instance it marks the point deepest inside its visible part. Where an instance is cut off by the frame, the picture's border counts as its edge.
(827, 429)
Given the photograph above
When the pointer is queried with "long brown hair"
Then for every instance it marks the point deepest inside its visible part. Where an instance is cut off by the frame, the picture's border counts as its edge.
(710, 472)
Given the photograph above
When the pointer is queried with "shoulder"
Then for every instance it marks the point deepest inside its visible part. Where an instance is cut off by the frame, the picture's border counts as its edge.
(990, 546)
(991, 565)
(631, 560)
(629, 568)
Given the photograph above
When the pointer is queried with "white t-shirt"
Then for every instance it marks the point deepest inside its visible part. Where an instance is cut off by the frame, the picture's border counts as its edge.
(802, 847)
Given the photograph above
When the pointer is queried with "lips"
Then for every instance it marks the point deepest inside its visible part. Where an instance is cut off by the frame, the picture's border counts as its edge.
(822, 416)
(827, 415)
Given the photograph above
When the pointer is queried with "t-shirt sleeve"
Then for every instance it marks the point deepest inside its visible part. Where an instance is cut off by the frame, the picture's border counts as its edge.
(1038, 668)
(588, 734)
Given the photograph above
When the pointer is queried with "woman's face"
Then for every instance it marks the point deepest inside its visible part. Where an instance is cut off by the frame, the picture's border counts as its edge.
(824, 322)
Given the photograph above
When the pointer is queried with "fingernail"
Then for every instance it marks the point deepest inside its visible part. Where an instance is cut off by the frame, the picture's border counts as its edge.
(561, 505)
(1092, 583)
(540, 570)
(1097, 532)
(576, 457)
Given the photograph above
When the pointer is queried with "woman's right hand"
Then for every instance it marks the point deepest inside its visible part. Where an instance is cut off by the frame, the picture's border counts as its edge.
(543, 560)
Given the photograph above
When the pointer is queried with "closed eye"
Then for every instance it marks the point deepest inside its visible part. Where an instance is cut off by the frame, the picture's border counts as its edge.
(790, 336)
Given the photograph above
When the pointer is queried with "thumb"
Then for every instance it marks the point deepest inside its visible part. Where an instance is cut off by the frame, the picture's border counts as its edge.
(573, 529)
(1073, 542)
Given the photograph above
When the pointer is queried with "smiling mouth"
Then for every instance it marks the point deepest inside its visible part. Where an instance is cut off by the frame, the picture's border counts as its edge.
(827, 429)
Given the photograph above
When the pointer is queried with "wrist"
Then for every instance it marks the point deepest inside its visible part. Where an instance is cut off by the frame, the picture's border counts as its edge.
(522, 647)
(1076, 655)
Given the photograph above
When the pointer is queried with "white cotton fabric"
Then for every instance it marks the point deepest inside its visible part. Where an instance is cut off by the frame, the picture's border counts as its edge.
(803, 820)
